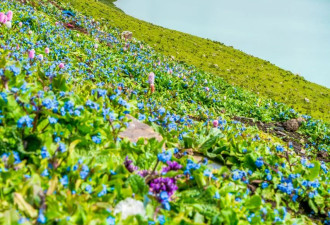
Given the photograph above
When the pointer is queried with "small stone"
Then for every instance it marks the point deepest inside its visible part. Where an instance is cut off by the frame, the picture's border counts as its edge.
(291, 125)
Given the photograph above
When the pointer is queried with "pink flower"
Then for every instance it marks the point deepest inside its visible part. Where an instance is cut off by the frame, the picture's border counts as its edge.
(9, 15)
(61, 66)
(56, 23)
(151, 78)
(207, 88)
(47, 50)
(20, 24)
(5, 19)
(215, 123)
(2, 17)
(32, 54)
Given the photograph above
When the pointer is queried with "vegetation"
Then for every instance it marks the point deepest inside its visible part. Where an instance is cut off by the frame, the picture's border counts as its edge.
(67, 83)
(236, 67)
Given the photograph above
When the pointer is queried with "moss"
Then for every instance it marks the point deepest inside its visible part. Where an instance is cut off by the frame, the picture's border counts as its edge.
(236, 67)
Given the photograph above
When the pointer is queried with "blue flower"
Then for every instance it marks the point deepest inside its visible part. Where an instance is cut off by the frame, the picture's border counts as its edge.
(16, 70)
(142, 117)
(294, 198)
(96, 140)
(259, 162)
(103, 192)
(84, 172)
(140, 105)
(62, 147)
(111, 220)
(48, 103)
(264, 185)
(16, 157)
(52, 120)
(89, 189)
(207, 173)
(164, 196)
(25, 121)
(161, 219)
(192, 166)
(269, 177)
(165, 156)
(166, 205)
(4, 96)
(279, 148)
(41, 218)
(57, 139)
(45, 173)
(216, 195)
(238, 174)
(64, 180)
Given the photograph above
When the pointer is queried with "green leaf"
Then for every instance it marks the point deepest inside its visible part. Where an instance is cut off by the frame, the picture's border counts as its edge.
(138, 184)
(208, 144)
(313, 206)
(24, 206)
(59, 82)
(253, 203)
(313, 173)
(198, 218)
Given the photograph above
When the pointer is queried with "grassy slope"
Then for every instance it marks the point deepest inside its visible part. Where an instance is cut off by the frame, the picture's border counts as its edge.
(236, 67)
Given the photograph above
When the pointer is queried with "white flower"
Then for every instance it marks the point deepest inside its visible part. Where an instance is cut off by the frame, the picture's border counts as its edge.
(130, 207)
(8, 24)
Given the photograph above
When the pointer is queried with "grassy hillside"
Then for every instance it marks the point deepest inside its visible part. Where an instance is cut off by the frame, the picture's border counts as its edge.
(68, 90)
(234, 66)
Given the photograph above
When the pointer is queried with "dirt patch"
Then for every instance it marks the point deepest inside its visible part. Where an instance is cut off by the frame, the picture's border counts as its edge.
(73, 26)
(286, 133)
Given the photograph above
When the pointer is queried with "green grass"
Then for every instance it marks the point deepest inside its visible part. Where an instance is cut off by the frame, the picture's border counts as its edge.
(236, 67)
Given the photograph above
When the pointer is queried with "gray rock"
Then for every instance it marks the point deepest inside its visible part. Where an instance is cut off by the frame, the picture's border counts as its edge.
(137, 130)
(291, 125)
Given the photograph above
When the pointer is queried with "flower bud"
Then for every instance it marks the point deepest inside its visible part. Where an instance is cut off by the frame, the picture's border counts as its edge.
(31, 54)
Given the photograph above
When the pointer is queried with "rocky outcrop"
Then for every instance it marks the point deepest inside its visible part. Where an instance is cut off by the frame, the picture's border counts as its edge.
(127, 35)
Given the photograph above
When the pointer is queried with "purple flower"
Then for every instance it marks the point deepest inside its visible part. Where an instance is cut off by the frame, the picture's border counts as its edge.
(172, 166)
(163, 184)
(129, 165)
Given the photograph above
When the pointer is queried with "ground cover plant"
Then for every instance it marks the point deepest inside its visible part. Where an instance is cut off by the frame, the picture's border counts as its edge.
(236, 67)
(68, 82)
